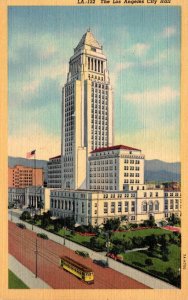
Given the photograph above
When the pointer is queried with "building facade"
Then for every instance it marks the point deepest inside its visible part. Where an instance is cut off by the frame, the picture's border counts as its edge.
(21, 176)
(87, 111)
(32, 196)
(100, 181)
(135, 204)
(110, 168)
(54, 172)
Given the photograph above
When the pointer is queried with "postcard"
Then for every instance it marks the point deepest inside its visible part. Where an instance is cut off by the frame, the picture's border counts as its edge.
(93, 149)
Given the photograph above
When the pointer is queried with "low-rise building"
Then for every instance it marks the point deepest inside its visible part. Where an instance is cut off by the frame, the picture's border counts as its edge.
(30, 197)
(95, 207)
(16, 196)
(54, 172)
(20, 176)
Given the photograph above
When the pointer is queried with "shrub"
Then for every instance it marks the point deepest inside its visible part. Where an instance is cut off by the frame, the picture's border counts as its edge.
(43, 236)
(112, 224)
(128, 245)
(133, 225)
(165, 257)
(25, 216)
(138, 241)
(173, 277)
(57, 226)
(98, 243)
(148, 262)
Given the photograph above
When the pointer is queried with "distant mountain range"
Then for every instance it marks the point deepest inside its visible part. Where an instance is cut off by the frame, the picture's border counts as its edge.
(155, 170)
(158, 170)
(12, 161)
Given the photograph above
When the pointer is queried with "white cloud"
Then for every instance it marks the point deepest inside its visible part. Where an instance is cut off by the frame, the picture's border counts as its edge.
(123, 66)
(30, 87)
(155, 143)
(140, 49)
(153, 97)
(33, 137)
(168, 32)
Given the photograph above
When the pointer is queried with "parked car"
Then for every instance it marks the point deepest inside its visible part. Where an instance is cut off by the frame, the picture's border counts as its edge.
(43, 236)
(82, 253)
(21, 225)
(101, 263)
(117, 257)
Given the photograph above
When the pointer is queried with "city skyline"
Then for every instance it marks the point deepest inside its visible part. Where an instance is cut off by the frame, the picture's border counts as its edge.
(144, 67)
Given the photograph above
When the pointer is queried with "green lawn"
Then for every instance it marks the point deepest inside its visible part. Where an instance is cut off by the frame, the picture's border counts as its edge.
(137, 259)
(77, 238)
(140, 233)
(14, 282)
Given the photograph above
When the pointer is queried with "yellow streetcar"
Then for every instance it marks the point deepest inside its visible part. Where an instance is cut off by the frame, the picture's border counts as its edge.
(84, 273)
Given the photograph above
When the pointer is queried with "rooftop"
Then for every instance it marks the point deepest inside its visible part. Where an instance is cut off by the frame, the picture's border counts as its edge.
(117, 147)
(58, 156)
(88, 39)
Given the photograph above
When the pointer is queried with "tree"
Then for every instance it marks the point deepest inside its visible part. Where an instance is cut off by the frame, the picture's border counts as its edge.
(173, 277)
(25, 216)
(173, 220)
(46, 219)
(112, 224)
(69, 222)
(163, 240)
(151, 221)
(151, 241)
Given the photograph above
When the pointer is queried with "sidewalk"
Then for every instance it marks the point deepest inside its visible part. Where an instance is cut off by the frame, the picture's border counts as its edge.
(25, 275)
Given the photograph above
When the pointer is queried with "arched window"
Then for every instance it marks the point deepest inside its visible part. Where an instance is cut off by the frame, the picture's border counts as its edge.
(156, 205)
(65, 205)
(144, 206)
(150, 204)
(69, 205)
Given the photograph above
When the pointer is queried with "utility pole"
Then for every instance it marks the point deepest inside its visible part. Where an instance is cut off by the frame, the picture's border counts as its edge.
(36, 253)
(107, 247)
(11, 215)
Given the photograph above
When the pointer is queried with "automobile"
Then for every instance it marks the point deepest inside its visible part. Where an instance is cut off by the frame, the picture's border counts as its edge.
(21, 225)
(101, 263)
(115, 257)
(82, 253)
(42, 236)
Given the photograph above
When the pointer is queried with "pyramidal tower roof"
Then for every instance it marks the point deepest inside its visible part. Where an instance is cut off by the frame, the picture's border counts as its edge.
(88, 39)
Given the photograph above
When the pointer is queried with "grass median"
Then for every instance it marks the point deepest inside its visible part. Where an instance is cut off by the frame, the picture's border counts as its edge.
(14, 282)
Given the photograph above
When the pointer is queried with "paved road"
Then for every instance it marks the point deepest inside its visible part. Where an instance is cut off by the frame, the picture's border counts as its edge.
(143, 278)
(26, 275)
(23, 244)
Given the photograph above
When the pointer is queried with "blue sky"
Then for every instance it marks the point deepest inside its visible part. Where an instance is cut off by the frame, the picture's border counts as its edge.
(142, 45)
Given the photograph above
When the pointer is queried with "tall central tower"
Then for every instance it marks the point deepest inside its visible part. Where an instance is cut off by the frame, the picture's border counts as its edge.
(87, 111)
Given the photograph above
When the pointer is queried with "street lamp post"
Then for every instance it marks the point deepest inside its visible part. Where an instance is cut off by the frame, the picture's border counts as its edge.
(36, 263)
(107, 246)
